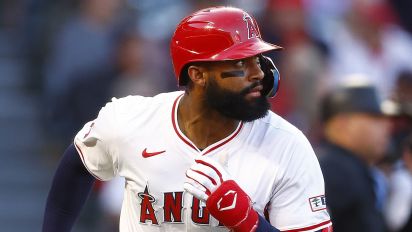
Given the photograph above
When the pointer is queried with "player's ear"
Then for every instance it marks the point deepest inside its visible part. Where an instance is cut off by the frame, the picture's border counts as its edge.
(197, 74)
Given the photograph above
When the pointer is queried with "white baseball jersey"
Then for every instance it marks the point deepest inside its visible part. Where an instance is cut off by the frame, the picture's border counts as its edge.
(139, 138)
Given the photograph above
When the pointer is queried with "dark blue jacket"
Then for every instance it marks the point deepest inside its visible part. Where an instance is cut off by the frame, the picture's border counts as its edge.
(349, 188)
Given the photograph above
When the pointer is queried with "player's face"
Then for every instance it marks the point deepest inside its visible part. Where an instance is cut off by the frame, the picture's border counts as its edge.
(234, 89)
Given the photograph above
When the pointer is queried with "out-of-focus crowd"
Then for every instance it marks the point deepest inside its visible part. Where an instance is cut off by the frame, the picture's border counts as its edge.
(346, 82)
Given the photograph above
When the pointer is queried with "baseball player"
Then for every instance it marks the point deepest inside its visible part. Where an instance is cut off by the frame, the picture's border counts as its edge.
(210, 158)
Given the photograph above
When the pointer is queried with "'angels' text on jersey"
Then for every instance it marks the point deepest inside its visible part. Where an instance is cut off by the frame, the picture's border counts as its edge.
(173, 209)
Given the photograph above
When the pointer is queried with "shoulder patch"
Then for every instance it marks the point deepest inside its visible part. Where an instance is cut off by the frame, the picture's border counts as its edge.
(317, 203)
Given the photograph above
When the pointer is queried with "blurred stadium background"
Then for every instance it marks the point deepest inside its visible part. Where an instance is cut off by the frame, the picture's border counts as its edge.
(61, 60)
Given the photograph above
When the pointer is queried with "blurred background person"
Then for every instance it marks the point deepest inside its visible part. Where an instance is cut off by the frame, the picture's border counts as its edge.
(303, 66)
(369, 40)
(124, 75)
(398, 208)
(84, 40)
(402, 96)
(357, 135)
(397, 165)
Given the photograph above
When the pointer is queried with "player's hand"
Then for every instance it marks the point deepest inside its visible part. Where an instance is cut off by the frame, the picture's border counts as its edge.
(207, 180)
(204, 177)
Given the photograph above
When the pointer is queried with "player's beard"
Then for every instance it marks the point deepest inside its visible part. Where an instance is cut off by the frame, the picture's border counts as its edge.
(234, 104)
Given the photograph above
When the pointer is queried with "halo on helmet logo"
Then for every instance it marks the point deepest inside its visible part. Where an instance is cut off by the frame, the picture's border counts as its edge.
(252, 31)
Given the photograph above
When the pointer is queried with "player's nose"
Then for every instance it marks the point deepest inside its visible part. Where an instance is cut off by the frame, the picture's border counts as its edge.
(254, 72)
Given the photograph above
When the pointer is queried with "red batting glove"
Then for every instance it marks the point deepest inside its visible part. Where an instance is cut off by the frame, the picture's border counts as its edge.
(226, 201)
(232, 206)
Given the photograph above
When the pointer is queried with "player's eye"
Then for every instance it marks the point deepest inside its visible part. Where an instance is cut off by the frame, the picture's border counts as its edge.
(240, 63)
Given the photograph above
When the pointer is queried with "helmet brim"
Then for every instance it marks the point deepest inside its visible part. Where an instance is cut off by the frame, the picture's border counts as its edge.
(246, 49)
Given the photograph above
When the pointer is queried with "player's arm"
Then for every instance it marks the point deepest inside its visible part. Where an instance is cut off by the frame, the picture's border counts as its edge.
(303, 209)
(70, 188)
(226, 201)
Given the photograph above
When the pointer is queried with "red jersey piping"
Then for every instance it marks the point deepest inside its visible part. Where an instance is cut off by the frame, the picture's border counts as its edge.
(188, 142)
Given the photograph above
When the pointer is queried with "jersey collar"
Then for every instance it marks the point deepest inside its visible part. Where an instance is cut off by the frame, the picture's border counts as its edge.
(187, 141)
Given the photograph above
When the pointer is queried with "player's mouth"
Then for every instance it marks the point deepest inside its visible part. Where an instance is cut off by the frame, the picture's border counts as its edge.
(255, 91)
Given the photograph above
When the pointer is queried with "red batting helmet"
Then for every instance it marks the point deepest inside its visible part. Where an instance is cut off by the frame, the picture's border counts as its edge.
(215, 34)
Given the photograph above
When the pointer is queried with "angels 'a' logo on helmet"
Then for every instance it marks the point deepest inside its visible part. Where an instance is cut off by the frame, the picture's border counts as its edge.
(252, 31)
